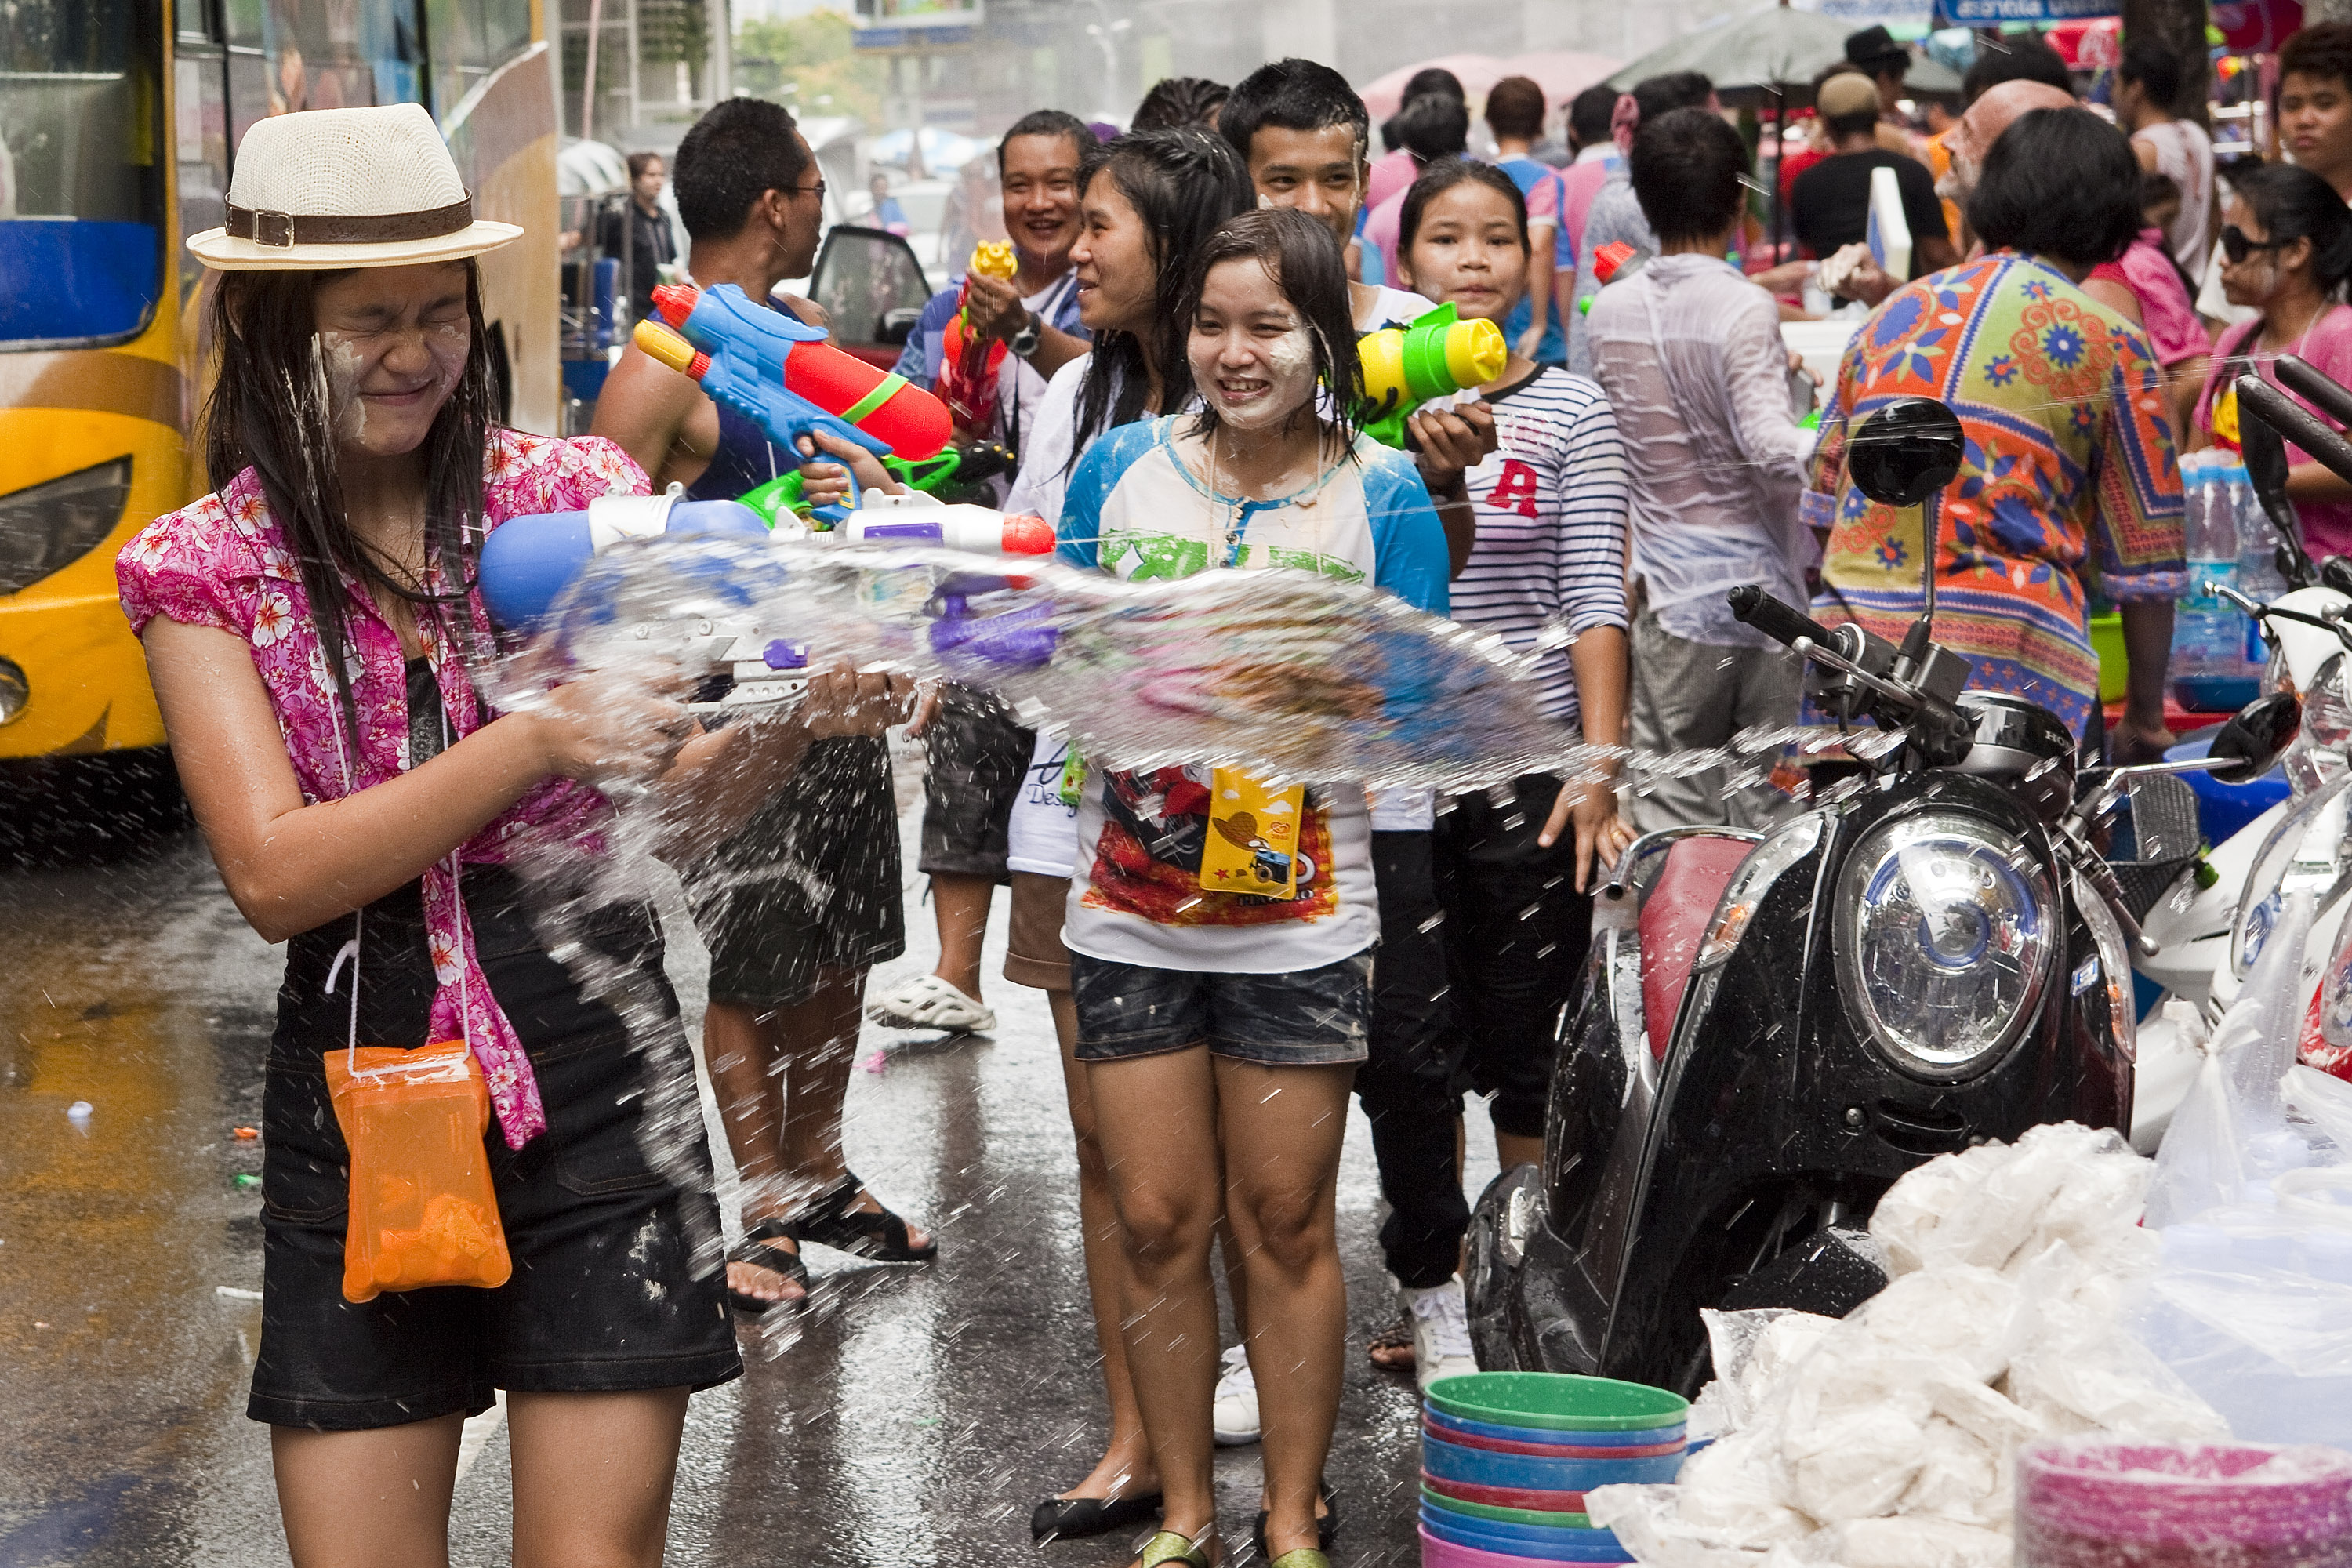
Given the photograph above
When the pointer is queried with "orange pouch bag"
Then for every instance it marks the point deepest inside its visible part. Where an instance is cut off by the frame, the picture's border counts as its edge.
(422, 1212)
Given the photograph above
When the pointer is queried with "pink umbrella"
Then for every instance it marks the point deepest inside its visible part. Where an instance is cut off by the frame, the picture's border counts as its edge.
(1562, 73)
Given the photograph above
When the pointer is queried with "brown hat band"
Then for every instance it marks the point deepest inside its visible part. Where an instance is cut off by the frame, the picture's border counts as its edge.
(283, 231)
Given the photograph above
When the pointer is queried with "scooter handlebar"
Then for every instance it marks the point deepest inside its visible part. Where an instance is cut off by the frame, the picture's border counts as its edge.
(1781, 623)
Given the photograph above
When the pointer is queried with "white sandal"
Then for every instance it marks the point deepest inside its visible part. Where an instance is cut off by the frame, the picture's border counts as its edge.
(928, 1002)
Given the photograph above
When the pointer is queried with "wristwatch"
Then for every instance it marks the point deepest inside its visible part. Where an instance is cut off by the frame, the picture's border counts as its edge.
(1024, 342)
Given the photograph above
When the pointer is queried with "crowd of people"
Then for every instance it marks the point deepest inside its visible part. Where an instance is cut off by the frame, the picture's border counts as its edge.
(1174, 362)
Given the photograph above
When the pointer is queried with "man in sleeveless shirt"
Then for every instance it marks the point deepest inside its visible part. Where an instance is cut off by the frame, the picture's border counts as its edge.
(804, 898)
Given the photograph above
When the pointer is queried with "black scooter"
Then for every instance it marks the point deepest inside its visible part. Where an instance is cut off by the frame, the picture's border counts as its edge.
(1773, 1028)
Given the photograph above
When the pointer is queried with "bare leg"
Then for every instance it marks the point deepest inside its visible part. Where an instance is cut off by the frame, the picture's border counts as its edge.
(739, 1045)
(1125, 1466)
(1157, 1120)
(593, 1476)
(1514, 1149)
(1281, 1130)
(817, 1041)
(960, 905)
(367, 1500)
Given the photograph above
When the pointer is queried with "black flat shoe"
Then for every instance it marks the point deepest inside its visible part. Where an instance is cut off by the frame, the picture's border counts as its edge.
(833, 1219)
(1326, 1529)
(754, 1250)
(1080, 1518)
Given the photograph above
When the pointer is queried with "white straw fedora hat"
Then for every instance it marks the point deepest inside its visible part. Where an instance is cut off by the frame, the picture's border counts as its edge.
(346, 187)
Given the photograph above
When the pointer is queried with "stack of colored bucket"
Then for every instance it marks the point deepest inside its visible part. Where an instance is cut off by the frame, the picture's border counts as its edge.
(1507, 1458)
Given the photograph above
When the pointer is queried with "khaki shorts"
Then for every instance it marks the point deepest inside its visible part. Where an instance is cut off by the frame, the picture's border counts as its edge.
(1034, 954)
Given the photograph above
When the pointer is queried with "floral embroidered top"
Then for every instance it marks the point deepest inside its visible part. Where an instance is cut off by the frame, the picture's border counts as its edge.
(2069, 461)
(224, 563)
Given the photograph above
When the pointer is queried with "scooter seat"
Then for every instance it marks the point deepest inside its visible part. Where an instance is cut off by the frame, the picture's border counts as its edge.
(1672, 923)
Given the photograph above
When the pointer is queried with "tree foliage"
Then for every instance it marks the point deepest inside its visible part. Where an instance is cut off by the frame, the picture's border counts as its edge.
(803, 61)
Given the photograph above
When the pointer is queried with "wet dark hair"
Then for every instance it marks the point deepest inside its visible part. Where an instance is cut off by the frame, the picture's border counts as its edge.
(2016, 56)
(2155, 69)
(1443, 177)
(1591, 113)
(2323, 50)
(2294, 204)
(740, 149)
(1432, 79)
(1050, 122)
(1292, 95)
(1434, 126)
(2062, 183)
(1515, 107)
(1686, 167)
(1299, 254)
(1183, 184)
(269, 411)
(1179, 102)
(1675, 89)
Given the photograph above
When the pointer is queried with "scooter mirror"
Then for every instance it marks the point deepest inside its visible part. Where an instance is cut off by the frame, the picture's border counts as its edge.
(2258, 734)
(1907, 451)
(2264, 450)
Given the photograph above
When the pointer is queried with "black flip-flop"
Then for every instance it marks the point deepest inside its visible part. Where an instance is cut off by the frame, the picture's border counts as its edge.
(1326, 1528)
(832, 1219)
(754, 1250)
(1082, 1517)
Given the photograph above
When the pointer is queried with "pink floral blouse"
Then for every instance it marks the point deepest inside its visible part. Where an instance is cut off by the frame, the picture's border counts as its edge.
(224, 563)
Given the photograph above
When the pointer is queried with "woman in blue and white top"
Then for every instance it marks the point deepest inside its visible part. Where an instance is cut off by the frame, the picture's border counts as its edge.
(1222, 1029)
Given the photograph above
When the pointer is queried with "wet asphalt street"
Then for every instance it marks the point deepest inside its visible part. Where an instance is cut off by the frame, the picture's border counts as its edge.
(910, 1416)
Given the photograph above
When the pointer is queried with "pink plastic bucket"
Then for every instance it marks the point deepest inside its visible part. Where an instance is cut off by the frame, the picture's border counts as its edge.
(1436, 1554)
(2099, 1503)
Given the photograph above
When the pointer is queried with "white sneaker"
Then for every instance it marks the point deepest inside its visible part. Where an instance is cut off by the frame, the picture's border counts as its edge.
(928, 1002)
(1234, 1415)
(1441, 1332)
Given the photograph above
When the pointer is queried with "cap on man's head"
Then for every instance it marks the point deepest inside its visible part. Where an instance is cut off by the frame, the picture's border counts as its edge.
(1848, 93)
(1874, 51)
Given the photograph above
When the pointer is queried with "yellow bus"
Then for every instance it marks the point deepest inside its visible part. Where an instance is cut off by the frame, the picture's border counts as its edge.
(118, 121)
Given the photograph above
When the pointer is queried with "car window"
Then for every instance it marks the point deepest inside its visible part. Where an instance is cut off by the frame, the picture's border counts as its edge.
(862, 275)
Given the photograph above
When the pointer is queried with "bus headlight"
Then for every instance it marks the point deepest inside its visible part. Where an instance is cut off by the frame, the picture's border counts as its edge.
(47, 527)
(1949, 942)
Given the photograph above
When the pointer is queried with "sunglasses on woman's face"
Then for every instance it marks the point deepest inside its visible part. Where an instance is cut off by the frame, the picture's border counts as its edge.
(2237, 247)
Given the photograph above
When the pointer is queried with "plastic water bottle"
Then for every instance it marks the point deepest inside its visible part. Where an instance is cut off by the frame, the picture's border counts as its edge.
(2211, 671)
(2257, 574)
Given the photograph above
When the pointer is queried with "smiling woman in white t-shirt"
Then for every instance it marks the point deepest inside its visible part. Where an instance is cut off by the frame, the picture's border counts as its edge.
(1149, 201)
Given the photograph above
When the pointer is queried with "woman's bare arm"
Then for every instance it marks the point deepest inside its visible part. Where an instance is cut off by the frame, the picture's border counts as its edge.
(292, 867)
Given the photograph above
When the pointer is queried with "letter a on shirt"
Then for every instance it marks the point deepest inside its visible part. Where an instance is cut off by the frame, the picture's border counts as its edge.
(1515, 490)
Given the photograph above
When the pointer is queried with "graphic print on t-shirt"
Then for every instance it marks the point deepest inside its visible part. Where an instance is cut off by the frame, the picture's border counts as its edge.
(1148, 858)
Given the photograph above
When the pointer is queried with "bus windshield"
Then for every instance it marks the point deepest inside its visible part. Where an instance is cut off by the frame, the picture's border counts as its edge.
(80, 174)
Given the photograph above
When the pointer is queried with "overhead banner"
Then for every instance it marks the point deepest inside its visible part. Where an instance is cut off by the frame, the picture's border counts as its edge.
(1993, 12)
(1899, 14)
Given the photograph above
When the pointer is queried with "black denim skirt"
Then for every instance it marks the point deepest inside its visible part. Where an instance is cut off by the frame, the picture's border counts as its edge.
(609, 1217)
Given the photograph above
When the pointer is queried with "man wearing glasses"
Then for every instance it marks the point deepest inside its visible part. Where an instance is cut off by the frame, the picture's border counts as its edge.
(804, 898)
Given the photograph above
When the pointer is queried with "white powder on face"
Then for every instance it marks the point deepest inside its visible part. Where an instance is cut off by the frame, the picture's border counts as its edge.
(1289, 369)
(339, 364)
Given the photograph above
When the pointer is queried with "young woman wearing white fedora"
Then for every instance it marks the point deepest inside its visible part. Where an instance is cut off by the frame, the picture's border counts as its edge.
(317, 652)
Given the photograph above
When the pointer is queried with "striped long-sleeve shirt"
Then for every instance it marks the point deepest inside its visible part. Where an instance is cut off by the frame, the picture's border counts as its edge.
(1552, 524)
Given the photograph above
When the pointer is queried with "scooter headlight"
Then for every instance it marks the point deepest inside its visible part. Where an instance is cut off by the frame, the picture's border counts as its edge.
(2306, 851)
(1949, 942)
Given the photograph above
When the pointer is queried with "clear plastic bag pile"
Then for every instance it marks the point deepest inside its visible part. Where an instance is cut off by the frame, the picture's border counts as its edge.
(2251, 1302)
(1889, 1438)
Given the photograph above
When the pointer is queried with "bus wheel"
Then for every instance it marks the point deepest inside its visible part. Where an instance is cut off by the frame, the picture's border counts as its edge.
(91, 810)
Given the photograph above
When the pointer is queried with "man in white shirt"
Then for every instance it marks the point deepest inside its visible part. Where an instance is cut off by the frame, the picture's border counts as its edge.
(1689, 353)
(2147, 85)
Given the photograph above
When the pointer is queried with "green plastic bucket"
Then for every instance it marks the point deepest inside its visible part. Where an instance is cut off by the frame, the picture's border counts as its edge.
(2114, 667)
(1506, 1515)
(1558, 1402)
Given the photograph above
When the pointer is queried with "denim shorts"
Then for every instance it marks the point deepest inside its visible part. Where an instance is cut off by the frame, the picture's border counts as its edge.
(1299, 1017)
(609, 1290)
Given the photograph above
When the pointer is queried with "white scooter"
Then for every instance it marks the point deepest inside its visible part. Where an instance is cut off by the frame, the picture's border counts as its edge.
(2207, 930)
